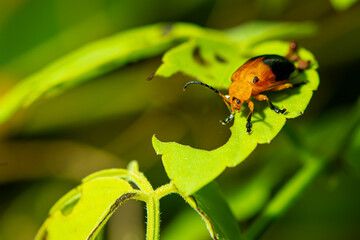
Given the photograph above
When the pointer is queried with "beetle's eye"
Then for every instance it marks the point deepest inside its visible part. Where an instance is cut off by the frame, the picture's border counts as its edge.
(238, 101)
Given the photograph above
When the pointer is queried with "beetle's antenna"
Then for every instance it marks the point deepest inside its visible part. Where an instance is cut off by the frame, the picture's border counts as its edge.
(203, 84)
(225, 98)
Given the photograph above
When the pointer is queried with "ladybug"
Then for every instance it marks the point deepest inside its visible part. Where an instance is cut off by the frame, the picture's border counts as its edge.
(260, 74)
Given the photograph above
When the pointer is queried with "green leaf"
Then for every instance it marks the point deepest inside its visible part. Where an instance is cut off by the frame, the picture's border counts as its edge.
(83, 212)
(215, 211)
(95, 59)
(190, 169)
(341, 5)
(255, 32)
(211, 61)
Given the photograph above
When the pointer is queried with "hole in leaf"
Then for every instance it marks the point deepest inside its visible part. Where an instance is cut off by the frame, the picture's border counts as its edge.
(198, 58)
(167, 29)
(220, 59)
(44, 236)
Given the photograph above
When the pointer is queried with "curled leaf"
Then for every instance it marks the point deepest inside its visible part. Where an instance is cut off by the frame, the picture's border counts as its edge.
(83, 212)
(216, 213)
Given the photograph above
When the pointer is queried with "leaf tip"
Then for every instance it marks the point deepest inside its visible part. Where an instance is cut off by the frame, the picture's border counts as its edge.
(156, 144)
(133, 166)
(149, 78)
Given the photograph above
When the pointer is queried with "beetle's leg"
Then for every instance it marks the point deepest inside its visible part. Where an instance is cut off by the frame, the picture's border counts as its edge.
(281, 87)
(228, 119)
(248, 119)
(293, 48)
(287, 85)
(272, 107)
(294, 57)
(227, 102)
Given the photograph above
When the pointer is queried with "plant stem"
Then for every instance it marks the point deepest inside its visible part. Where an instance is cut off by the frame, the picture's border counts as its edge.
(151, 198)
(153, 219)
(166, 189)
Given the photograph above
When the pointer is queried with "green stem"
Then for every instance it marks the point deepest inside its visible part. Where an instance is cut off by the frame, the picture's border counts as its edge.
(153, 219)
(139, 178)
(153, 210)
(166, 189)
(151, 198)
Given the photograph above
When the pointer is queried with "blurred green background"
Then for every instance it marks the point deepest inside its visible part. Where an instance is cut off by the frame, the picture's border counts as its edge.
(46, 149)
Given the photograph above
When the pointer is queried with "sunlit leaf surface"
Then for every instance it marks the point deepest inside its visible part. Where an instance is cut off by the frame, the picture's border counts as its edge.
(190, 168)
(209, 60)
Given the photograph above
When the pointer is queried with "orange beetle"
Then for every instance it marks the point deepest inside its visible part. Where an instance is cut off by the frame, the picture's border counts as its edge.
(257, 75)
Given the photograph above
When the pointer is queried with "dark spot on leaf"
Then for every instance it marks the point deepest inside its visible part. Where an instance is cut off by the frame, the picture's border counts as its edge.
(256, 79)
(210, 76)
(220, 59)
(150, 77)
(167, 29)
(44, 237)
(3, 163)
(123, 198)
(197, 56)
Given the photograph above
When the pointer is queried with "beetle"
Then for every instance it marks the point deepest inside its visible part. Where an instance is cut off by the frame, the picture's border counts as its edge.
(260, 74)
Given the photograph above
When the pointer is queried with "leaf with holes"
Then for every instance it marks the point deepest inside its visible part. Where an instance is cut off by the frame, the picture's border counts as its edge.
(190, 169)
(211, 61)
(83, 212)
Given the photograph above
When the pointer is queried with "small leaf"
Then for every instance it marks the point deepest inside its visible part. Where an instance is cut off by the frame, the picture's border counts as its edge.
(190, 169)
(341, 5)
(83, 212)
(215, 211)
